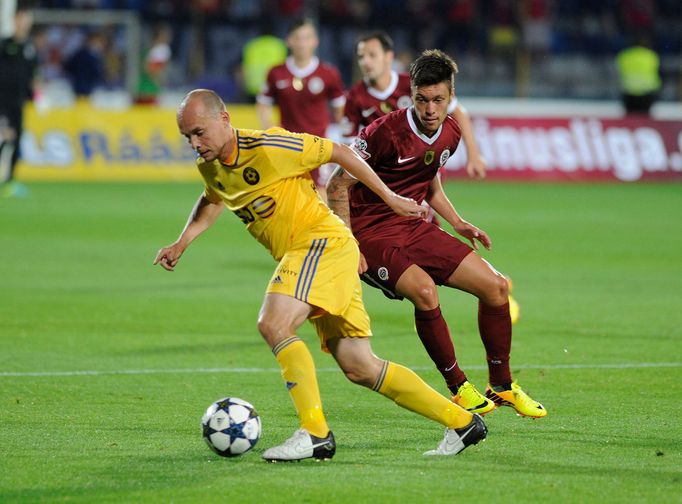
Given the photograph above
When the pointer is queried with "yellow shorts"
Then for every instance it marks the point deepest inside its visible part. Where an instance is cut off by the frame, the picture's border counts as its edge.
(325, 275)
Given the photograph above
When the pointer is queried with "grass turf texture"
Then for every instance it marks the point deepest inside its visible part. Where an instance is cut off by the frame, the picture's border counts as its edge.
(596, 269)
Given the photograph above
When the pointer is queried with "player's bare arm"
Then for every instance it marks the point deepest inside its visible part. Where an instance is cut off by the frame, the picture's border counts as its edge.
(202, 216)
(440, 202)
(337, 193)
(264, 113)
(344, 156)
(476, 165)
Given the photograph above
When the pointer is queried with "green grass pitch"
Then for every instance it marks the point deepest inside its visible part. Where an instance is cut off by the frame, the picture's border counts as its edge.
(107, 363)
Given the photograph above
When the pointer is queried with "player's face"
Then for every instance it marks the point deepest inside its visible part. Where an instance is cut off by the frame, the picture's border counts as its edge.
(208, 135)
(373, 61)
(303, 42)
(431, 106)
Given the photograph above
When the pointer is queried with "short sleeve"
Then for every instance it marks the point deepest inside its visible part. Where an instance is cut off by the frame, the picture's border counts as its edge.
(211, 195)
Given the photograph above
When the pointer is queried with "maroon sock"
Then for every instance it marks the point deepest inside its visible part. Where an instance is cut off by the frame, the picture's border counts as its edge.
(494, 325)
(435, 336)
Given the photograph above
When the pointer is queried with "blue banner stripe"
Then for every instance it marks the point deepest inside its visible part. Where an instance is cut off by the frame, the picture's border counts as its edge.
(315, 261)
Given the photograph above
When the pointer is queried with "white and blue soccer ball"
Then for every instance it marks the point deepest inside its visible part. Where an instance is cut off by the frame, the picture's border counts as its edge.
(231, 426)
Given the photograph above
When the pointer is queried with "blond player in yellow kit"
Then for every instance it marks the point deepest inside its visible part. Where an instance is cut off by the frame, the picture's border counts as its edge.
(263, 177)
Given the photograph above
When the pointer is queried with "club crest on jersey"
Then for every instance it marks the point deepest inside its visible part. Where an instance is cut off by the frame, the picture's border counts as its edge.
(251, 176)
(315, 85)
(360, 148)
(382, 273)
(385, 107)
(428, 157)
(444, 156)
(404, 102)
(219, 185)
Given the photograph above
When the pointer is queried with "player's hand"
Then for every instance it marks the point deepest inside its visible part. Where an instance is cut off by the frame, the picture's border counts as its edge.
(473, 234)
(476, 166)
(407, 207)
(169, 256)
(362, 267)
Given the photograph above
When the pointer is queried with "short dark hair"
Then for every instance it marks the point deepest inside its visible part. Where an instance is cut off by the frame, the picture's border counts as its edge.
(433, 67)
(383, 38)
(299, 23)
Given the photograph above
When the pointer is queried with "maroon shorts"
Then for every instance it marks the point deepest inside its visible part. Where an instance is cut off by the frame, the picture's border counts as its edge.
(389, 251)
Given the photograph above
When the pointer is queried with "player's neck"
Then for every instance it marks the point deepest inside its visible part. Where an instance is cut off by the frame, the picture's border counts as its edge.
(382, 83)
(302, 61)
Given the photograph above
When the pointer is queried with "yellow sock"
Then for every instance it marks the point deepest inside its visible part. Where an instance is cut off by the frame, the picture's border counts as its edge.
(406, 389)
(298, 371)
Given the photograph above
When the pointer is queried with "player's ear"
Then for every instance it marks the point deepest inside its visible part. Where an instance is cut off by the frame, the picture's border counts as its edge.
(225, 116)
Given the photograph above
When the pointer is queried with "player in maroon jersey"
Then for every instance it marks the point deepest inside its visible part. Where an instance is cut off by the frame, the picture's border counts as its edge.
(407, 257)
(382, 90)
(304, 88)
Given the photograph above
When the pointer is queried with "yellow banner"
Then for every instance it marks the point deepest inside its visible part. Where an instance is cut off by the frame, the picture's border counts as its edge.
(84, 143)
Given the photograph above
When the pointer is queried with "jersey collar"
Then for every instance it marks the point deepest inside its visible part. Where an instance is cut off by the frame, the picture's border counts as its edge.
(304, 72)
(415, 130)
(231, 159)
(382, 95)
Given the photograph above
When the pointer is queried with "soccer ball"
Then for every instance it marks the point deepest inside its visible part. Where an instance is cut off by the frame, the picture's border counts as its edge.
(231, 427)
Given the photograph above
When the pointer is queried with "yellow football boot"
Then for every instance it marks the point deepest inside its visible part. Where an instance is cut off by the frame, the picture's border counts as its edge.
(517, 399)
(472, 400)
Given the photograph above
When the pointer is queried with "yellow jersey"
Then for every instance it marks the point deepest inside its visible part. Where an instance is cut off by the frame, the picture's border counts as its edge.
(266, 181)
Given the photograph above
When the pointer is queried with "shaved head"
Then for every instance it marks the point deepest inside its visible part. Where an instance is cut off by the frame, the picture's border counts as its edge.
(204, 101)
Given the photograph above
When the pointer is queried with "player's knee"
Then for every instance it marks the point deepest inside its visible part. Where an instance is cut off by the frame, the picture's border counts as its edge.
(271, 330)
(425, 296)
(497, 292)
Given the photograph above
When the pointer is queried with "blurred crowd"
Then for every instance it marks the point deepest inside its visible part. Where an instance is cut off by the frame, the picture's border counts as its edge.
(536, 48)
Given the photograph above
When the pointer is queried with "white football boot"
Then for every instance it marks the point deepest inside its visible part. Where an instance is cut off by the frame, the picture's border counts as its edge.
(457, 439)
(302, 445)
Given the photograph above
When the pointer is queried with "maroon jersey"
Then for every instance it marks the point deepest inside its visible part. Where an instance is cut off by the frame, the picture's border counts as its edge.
(364, 103)
(304, 95)
(404, 158)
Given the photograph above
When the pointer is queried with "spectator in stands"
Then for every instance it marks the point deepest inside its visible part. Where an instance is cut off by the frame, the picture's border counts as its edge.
(152, 77)
(640, 81)
(85, 67)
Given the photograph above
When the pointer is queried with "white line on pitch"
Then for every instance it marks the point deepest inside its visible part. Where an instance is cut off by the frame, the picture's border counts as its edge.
(634, 365)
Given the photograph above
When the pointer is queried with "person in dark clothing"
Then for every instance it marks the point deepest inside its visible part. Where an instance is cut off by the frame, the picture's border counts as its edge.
(85, 67)
(17, 69)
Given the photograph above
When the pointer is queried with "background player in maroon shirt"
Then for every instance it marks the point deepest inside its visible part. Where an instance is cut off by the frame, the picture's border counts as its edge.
(407, 258)
(304, 88)
(383, 90)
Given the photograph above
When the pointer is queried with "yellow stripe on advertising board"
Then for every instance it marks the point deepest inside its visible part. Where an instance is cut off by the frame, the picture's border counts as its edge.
(84, 143)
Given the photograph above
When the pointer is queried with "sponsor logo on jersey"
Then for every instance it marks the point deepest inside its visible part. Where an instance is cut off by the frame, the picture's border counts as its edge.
(402, 160)
(282, 84)
(315, 85)
(263, 206)
(251, 176)
(444, 156)
(428, 157)
(276, 280)
(382, 273)
(368, 112)
(360, 147)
